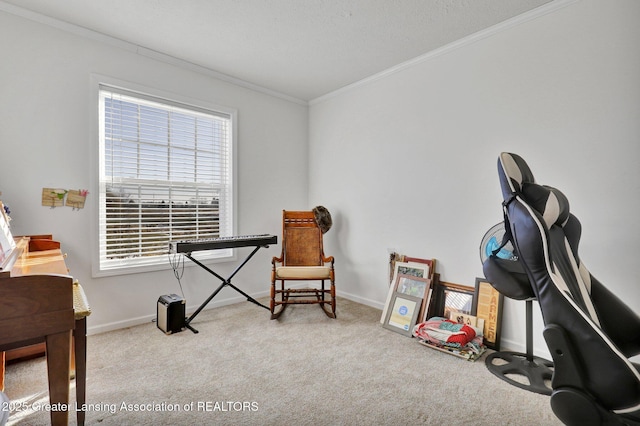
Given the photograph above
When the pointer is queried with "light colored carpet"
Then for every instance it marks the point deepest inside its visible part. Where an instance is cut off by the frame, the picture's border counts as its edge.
(304, 369)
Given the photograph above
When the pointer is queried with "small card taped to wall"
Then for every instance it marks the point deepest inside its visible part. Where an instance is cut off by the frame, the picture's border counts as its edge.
(76, 198)
(57, 197)
(53, 197)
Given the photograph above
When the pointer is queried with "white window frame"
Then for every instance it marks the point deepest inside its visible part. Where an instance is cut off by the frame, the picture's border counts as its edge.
(103, 267)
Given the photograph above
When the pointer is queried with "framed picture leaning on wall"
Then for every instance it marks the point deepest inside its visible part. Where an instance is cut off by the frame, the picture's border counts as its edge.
(450, 297)
(419, 270)
(487, 304)
(402, 313)
(415, 286)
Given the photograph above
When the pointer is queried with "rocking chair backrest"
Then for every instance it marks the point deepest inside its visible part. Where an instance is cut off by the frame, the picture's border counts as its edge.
(301, 239)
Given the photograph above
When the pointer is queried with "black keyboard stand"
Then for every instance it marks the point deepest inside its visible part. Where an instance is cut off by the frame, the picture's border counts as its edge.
(225, 282)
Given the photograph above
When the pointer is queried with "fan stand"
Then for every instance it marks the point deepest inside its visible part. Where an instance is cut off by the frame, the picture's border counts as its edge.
(537, 371)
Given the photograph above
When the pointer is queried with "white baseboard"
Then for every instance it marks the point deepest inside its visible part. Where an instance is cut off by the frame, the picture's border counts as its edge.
(117, 325)
(361, 300)
(131, 322)
(512, 346)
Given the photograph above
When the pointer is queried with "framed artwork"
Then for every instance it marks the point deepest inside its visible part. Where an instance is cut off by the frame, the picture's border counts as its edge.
(396, 257)
(453, 298)
(431, 263)
(412, 286)
(402, 313)
(415, 286)
(419, 270)
(487, 305)
(461, 318)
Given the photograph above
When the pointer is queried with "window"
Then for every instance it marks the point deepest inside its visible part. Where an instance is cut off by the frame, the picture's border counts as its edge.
(165, 173)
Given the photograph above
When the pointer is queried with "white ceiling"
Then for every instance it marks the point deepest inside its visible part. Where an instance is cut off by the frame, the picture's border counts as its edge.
(300, 48)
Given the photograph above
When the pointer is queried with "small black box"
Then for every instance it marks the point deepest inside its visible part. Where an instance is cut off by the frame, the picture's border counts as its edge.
(171, 313)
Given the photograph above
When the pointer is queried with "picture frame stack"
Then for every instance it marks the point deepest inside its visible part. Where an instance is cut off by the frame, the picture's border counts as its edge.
(416, 295)
(478, 306)
(409, 295)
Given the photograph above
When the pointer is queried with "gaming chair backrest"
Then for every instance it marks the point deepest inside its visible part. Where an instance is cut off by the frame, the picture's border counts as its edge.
(545, 237)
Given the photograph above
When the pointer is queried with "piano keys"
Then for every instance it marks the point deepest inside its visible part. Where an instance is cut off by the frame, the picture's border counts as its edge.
(188, 246)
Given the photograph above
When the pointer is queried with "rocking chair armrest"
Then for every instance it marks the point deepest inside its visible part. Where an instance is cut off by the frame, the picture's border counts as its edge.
(328, 259)
(275, 260)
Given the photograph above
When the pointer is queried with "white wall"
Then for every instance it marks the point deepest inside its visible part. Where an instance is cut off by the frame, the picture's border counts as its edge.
(408, 161)
(45, 137)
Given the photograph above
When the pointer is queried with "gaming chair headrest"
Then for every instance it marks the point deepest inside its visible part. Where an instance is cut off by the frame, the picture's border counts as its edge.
(513, 172)
(516, 179)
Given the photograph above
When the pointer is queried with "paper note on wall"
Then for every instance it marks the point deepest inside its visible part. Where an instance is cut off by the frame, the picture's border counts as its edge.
(53, 197)
(76, 198)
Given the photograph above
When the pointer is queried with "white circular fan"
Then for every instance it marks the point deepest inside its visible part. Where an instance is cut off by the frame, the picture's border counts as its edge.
(492, 240)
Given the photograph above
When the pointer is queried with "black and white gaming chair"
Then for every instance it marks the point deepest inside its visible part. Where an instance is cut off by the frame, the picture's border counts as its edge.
(590, 333)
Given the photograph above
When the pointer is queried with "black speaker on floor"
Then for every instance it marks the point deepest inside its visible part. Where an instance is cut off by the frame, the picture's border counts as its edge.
(170, 316)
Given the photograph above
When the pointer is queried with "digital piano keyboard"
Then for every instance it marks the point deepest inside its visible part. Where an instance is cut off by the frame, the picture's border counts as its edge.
(188, 246)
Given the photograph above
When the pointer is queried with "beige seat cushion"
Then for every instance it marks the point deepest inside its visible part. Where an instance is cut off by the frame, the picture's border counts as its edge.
(303, 272)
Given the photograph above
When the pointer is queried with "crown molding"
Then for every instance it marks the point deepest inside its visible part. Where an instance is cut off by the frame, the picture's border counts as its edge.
(141, 50)
(463, 42)
(168, 59)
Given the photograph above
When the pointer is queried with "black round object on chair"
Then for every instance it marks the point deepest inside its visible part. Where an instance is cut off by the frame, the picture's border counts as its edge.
(504, 271)
(323, 218)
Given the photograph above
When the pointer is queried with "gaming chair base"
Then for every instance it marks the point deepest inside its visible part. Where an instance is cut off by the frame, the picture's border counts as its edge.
(569, 402)
(537, 371)
(575, 408)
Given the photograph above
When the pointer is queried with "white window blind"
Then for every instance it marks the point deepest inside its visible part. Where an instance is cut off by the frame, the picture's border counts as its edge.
(165, 174)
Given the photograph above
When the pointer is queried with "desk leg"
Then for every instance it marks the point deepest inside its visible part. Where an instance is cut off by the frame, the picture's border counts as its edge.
(58, 361)
(80, 353)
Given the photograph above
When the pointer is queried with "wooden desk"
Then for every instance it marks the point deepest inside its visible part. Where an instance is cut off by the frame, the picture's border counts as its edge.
(37, 304)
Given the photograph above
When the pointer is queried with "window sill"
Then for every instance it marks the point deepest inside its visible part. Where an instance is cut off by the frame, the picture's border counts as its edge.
(157, 265)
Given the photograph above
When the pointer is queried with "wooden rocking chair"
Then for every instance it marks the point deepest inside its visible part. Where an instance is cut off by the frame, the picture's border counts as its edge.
(302, 259)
